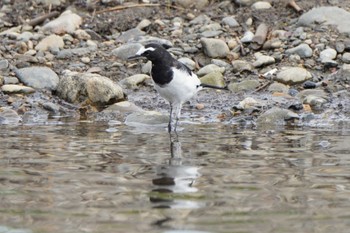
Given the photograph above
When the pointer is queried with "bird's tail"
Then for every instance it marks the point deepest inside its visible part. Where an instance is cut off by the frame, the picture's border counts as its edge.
(213, 87)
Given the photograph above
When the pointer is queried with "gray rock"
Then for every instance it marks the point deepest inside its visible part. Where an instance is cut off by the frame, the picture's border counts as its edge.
(263, 60)
(144, 24)
(144, 118)
(215, 47)
(261, 5)
(129, 35)
(328, 54)
(311, 92)
(127, 50)
(278, 87)
(210, 34)
(67, 22)
(4, 64)
(247, 37)
(272, 44)
(67, 53)
(316, 102)
(293, 75)
(38, 77)
(201, 19)
(151, 39)
(339, 46)
(77, 87)
(303, 50)
(241, 65)
(210, 27)
(214, 78)
(346, 58)
(123, 107)
(327, 15)
(245, 85)
(209, 69)
(16, 89)
(133, 81)
(276, 116)
(9, 117)
(52, 42)
(230, 21)
(188, 62)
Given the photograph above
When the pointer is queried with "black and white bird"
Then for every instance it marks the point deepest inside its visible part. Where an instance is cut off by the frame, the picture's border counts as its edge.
(173, 80)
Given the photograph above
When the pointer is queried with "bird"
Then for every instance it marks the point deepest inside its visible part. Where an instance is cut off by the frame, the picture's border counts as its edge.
(173, 80)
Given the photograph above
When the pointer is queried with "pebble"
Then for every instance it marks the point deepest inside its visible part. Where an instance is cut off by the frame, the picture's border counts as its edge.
(346, 58)
(263, 60)
(247, 103)
(215, 48)
(241, 65)
(146, 118)
(276, 116)
(123, 107)
(327, 55)
(230, 21)
(4, 64)
(210, 68)
(278, 87)
(261, 5)
(16, 89)
(188, 62)
(245, 85)
(293, 75)
(11, 80)
(247, 37)
(67, 22)
(303, 50)
(51, 42)
(38, 77)
(127, 50)
(133, 81)
(214, 78)
(9, 117)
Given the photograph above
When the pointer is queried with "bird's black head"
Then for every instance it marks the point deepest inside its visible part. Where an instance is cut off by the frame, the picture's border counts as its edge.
(153, 52)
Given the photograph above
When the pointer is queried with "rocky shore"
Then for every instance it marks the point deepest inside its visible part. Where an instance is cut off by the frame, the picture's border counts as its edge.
(282, 65)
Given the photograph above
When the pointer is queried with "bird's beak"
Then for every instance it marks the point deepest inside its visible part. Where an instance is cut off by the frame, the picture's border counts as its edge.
(134, 57)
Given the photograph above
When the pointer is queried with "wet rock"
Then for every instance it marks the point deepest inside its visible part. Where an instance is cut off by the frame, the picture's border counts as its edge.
(127, 50)
(133, 81)
(188, 62)
(214, 78)
(293, 75)
(209, 69)
(327, 15)
(261, 5)
(327, 55)
(316, 102)
(51, 107)
(263, 60)
(35, 116)
(9, 117)
(215, 47)
(52, 42)
(245, 85)
(230, 21)
(312, 92)
(150, 118)
(67, 22)
(303, 50)
(247, 103)
(77, 87)
(16, 89)
(123, 107)
(346, 58)
(38, 77)
(276, 116)
(241, 65)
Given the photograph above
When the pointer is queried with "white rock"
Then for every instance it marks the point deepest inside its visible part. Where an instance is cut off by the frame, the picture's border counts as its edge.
(52, 42)
(67, 22)
(261, 5)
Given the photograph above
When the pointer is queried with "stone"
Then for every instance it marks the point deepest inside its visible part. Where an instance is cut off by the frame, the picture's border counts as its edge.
(77, 87)
(4, 64)
(9, 117)
(328, 54)
(16, 89)
(11, 80)
(67, 22)
(247, 103)
(215, 48)
(303, 50)
(346, 58)
(209, 69)
(278, 87)
(316, 102)
(247, 37)
(127, 50)
(201, 20)
(276, 116)
(243, 86)
(38, 77)
(123, 107)
(263, 60)
(130, 34)
(328, 16)
(50, 43)
(293, 75)
(230, 21)
(144, 24)
(190, 4)
(188, 62)
(214, 78)
(67, 53)
(144, 118)
(133, 81)
(261, 5)
(241, 65)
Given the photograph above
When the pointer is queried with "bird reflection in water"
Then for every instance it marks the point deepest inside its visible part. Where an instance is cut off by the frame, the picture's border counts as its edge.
(174, 178)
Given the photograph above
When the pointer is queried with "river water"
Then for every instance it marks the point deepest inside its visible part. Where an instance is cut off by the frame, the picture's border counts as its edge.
(98, 177)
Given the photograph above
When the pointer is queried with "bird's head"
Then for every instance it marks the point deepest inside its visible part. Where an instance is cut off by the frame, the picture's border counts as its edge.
(152, 52)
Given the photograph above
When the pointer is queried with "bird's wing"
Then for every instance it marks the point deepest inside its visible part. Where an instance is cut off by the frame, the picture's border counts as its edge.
(181, 66)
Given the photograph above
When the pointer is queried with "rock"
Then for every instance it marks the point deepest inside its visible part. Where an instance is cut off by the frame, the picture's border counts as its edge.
(133, 81)
(303, 50)
(9, 117)
(293, 75)
(328, 16)
(278, 87)
(67, 22)
(247, 103)
(4, 64)
(201, 20)
(190, 4)
(230, 21)
(11, 80)
(247, 37)
(241, 65)
(77, 87)
(127, 50)
(188, 62)
(210, 27)
(51, 2)
(38, 77)
(215, 47)
(52, 42)
(210, 68)
(263, 60)
(261, 5)
(276, 116)
(312, 92)
(214, 78)
(145, 118)
(129, 35)
(316, 102)
(245, 85)
(346, 58)
(328, 54)
(272, 44)
(145, 23)
(16, 89)
(123, 107)
(67, 53)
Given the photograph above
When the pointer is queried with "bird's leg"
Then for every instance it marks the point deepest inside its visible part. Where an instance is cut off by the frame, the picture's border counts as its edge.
(177, 114)
(170, 117)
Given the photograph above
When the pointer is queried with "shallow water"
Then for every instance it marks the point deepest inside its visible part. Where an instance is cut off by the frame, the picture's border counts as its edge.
(97, 177)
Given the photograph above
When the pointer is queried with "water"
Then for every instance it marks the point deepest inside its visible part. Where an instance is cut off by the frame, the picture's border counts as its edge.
(96, 177)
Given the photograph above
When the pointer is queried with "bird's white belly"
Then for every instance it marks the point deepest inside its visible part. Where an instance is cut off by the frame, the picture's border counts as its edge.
(181, 88)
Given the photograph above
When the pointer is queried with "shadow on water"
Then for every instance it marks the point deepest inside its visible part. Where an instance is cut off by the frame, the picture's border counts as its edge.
(96, 177)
